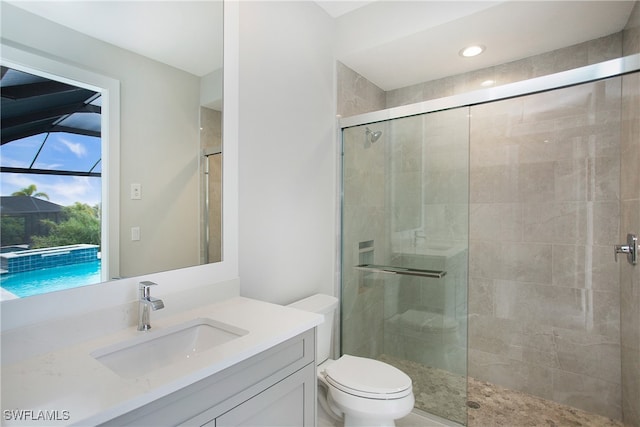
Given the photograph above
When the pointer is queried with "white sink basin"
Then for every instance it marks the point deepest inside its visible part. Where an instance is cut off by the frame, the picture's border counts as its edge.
(157, 349)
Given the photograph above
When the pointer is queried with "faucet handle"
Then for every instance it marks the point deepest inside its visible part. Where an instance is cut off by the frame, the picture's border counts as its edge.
(144, 288)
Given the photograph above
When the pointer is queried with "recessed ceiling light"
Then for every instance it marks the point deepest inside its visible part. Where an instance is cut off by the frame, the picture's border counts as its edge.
(470, 51)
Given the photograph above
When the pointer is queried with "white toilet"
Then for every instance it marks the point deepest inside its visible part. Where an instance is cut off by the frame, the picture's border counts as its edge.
(363, 392)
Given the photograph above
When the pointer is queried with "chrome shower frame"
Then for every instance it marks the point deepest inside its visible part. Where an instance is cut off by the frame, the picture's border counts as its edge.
(589, 73)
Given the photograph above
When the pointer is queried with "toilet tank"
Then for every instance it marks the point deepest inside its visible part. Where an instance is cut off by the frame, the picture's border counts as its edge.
(325, 305)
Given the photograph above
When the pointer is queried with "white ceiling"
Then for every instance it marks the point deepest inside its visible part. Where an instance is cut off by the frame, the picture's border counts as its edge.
(393, 43)
(183, 34)
(400, 43)
(336, 8)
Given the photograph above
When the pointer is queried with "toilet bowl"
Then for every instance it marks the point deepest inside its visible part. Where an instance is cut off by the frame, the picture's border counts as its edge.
(360, 391)
(367, 392)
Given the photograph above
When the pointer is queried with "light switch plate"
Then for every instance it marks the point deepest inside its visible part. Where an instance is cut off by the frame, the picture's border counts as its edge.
(136, 191)
(135, 233)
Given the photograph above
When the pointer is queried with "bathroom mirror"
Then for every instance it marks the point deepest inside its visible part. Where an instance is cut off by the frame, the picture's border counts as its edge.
(170, 114)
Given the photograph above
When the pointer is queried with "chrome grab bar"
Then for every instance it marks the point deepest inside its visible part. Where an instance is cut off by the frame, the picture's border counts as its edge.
(389, 269)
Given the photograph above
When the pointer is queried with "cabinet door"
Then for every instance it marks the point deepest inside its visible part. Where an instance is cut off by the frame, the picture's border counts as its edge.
(290, 402)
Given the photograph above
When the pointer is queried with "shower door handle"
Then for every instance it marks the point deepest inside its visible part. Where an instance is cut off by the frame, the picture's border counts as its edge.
(631, 249)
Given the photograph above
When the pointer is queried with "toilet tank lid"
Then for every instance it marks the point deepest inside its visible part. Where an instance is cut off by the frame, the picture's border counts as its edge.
(318, 303)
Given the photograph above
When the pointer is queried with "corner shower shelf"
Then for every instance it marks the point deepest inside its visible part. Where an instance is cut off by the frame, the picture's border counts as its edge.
(389, 269)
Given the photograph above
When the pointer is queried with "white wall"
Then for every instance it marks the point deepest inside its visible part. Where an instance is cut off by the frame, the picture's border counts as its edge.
(287, 151)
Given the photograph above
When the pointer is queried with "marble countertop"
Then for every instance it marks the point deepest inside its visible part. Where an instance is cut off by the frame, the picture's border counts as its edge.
(77, 389)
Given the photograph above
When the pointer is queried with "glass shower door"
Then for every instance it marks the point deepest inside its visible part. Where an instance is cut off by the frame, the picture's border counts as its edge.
(404, 252)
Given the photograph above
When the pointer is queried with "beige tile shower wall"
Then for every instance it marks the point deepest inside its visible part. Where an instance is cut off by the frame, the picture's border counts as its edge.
(544, 300)
(405, 177)
(445, 180)
(631, 33)
(579, 55)
(630, 200)
(356, 94)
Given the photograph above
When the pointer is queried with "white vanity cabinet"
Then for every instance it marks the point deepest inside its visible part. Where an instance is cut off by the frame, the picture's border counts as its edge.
(276, 387)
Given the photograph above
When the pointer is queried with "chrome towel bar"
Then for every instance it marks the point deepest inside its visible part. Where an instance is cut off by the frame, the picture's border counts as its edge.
(388, 269)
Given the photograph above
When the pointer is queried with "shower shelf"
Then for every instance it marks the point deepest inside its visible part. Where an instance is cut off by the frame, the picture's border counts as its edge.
(389, 269)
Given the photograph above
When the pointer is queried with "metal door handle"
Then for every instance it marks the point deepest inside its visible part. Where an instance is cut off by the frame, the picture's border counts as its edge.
(631, 249)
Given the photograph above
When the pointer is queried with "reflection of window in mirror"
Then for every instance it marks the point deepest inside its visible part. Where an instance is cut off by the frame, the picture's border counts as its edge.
(51, 180)
(211, 146)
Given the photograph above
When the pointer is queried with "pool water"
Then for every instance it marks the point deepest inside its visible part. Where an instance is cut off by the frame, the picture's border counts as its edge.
(51, 279)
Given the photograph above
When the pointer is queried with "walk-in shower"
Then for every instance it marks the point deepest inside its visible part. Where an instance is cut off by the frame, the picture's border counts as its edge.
(478, 245)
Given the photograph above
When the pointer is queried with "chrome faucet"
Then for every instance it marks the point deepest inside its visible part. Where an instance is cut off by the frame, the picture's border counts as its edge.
(146, 303)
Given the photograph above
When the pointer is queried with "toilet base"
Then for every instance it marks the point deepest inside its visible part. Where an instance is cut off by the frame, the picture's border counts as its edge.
(359, 412)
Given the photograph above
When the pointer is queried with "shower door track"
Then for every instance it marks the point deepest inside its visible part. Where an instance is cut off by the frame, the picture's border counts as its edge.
(603, 70)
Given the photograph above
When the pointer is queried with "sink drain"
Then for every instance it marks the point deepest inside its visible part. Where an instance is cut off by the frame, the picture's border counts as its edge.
(473, 405)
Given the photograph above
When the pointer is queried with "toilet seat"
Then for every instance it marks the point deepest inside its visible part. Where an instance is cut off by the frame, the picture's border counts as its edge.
(368, 378)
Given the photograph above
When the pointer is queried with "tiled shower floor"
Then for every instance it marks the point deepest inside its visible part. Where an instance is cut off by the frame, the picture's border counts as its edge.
(442, 393)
